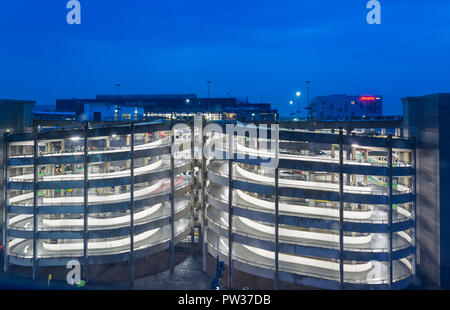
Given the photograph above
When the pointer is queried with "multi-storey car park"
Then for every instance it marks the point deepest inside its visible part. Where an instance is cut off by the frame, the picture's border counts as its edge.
(337, 212)
(97, 194)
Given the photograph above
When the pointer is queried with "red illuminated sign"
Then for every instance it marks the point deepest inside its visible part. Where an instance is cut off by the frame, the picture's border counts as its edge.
(367, 98)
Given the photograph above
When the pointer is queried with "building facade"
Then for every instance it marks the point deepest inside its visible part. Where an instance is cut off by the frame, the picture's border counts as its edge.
(343, 107)
(146, 107)
(337, 212)
(426, 118)
(98, 195)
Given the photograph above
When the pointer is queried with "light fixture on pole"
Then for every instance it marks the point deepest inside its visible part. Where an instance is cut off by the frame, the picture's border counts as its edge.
(298, 94)
(118, 90)
(209, 83)
(291, 103)
(307, 98)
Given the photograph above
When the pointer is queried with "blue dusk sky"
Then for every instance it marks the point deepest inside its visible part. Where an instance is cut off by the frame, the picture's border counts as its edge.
(263, 49)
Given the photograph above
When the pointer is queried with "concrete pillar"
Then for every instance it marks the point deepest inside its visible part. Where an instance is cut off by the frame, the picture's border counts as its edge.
(107, 147)
(132, 207)
(5, 202)
(146, 159)
(172, 206)
(128, 166)
(35, 202)
(277, 224)
(86, 204)
(230, 222)
(407, 158)
(203, 198)
(52, 172)
(63, 167)
(341, 209)
(413, 161)
(333, 155)
(366, 159)
(347, 157)
(353, 159)
(108, 143)
(389, 159)
(192, 190)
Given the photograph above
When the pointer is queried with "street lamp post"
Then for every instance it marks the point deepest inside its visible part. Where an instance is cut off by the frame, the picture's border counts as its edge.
(307, 98)
(116, 111)
(291, 103)
(298, 94)
(118, 90)
(209, 83)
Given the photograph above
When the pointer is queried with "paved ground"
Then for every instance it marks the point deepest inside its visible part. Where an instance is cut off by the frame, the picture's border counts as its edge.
(187, 275)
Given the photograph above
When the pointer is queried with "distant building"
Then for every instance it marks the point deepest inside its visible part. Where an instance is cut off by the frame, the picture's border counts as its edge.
(427, 119)
(100, 110)
(104, 111)
(39, 115)
(343, 107)
(142, 107)
(16, 115)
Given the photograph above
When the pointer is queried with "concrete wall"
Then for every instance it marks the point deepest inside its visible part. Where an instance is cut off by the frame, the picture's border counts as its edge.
(1, 189)
(15, 116)
(444, 194)
(427, 119)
